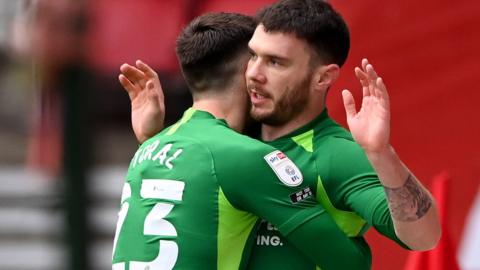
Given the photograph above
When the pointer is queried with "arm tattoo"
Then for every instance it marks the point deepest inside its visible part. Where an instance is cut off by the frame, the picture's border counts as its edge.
(408, 202)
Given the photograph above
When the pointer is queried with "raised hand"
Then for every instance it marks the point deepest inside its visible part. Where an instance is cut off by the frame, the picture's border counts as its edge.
(370, 126)
(414, 214)
(146, 96)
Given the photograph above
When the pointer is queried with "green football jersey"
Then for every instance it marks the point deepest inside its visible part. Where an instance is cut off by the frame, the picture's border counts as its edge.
(193, 195)
(344, 183)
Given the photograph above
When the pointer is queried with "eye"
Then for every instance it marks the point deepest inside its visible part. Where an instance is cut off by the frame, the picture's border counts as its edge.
(253, 56)
(274, 62)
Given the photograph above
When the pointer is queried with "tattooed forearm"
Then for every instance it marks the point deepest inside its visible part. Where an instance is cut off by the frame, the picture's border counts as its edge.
(409, 202)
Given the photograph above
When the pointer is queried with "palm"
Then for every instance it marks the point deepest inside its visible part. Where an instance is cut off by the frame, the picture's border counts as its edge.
(146, 96)
(370, 127)
(147, 117)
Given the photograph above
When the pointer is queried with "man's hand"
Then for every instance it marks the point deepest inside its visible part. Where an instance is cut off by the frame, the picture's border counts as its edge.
(370, 127)
(146, 96)
(413, 211)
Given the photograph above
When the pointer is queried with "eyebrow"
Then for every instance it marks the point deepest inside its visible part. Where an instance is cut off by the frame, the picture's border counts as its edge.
(281, 59)
(270, 56)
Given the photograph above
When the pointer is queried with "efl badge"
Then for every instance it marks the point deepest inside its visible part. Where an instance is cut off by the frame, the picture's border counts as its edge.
(284, 168)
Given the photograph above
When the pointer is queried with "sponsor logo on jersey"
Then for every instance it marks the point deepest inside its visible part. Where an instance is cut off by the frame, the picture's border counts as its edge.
(284, 168)
(269, 240)
(301, 195)
(268, 235)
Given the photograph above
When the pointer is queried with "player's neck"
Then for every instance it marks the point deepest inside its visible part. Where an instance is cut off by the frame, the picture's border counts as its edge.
(270, 132)
(224, 108)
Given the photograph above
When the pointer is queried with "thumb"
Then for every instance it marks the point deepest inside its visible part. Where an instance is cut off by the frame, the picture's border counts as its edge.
(349, 103)
(155, 97)
(152, 94)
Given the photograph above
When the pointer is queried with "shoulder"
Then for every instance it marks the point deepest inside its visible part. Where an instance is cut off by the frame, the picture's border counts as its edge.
(339, 158)
(341, 151)
(250, 159)
(239, 144)
(336, 142)
(230, 151)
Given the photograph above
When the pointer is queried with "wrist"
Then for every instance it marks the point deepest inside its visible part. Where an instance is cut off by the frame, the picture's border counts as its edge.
(385, 152)
(390, 170)
(141, 138)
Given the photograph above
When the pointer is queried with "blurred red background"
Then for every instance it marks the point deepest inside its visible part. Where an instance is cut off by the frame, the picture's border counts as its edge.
(427, 53)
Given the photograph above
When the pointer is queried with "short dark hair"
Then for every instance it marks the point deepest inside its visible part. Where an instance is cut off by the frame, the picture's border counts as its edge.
(312, 20)
(209, 49)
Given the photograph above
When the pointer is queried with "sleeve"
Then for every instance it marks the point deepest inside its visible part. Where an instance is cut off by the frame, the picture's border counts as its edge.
(359, 187)
(329, 248)
(270, 186)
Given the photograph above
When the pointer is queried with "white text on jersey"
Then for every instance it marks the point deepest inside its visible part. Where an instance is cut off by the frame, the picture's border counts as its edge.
(163, 155)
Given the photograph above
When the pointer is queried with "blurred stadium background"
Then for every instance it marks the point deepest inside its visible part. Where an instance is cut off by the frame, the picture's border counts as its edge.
(65, 136)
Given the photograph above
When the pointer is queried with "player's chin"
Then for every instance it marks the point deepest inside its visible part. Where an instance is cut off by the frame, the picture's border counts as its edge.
(260, 114)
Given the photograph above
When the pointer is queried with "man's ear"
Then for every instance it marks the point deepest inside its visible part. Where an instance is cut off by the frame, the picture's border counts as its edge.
(325, 76)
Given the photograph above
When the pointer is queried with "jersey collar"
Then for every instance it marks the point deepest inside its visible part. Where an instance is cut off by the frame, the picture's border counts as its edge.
(199, 114)
(309, 126)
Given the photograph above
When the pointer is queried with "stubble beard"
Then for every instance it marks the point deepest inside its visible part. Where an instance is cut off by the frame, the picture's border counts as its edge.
(287, 107)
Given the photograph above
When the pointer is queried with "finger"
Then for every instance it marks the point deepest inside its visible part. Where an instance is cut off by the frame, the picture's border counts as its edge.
(381, 90)
(371, 77)
(372, 74)
(152, 94)
(155, 97)
(349, 103)
(364, 64)
(126, 68)
(155, 92)
(135, 75)
(146, 69)
(363, 78)
(131, 89)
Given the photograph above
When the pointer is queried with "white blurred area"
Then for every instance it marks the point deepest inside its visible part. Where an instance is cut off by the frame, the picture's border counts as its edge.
(29, 223)
(32, 220)
(469, 249)
(16, 87)
(46, 53)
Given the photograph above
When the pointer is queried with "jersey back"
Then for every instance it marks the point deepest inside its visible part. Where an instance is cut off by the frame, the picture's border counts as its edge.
(185, 199)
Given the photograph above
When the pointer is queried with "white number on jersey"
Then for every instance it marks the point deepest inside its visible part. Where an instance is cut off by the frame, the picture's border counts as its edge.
(154, 224)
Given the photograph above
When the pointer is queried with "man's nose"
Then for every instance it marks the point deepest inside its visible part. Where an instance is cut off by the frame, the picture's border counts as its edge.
(255, 71)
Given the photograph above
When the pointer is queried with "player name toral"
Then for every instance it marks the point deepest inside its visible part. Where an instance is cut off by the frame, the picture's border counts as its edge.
(163, 155)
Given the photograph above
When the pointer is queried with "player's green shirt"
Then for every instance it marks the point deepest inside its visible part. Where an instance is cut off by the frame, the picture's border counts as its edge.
(344, 183)
(193, 193)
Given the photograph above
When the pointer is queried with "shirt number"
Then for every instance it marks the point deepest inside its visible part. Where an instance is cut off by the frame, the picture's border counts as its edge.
(154, 224)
